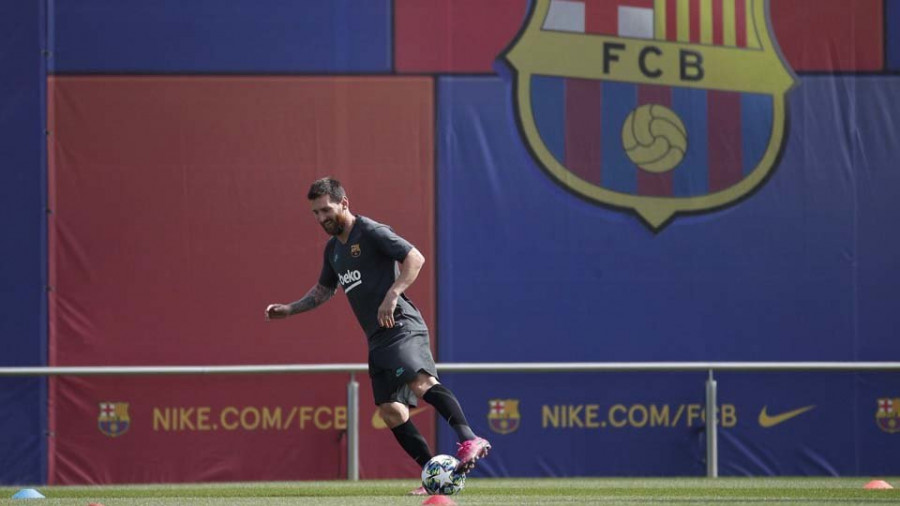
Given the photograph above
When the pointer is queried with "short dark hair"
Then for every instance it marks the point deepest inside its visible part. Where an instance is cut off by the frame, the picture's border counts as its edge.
(326, 186)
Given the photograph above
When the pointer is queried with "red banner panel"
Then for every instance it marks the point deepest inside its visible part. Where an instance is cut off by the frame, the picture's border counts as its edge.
(453, 35)
(830, 35)
(468, 35)
(180, 211)
(217, 428)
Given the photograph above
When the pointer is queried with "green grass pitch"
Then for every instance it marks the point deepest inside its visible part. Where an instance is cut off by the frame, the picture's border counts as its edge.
(488, 491)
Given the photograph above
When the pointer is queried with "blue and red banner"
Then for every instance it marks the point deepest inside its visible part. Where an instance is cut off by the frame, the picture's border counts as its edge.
(589, 180)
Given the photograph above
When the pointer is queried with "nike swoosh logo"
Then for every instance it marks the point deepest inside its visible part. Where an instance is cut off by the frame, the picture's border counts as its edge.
(766, 420)
(379, 424)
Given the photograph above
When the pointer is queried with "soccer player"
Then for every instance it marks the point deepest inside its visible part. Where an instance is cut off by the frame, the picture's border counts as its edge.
(363, 256)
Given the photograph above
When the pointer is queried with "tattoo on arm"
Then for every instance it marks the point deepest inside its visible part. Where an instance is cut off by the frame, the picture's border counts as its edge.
(313, 298)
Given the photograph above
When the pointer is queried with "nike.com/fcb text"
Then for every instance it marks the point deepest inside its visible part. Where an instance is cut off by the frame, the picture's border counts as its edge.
(619, 416)
(249, 418)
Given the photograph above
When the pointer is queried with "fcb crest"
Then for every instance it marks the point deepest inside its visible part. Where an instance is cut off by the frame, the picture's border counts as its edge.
(888, 415)
(503, 416)
(113, 419)
(656, 106)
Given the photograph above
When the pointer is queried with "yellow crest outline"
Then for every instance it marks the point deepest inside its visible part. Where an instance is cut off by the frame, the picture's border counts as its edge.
(537, 51)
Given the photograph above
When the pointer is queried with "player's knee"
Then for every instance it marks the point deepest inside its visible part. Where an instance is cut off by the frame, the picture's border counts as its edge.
(393, 414)
(422, 383)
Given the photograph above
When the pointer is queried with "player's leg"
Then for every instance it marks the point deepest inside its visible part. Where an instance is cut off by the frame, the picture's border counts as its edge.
(410, 360)
(396, 417)
(413, 357)
(393, 399)
(470, 447)
(427, 388)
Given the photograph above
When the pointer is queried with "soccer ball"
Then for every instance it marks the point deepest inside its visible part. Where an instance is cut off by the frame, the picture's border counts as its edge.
(439, 476)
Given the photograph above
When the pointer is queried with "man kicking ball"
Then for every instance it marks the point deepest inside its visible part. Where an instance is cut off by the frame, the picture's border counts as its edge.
(363, 256)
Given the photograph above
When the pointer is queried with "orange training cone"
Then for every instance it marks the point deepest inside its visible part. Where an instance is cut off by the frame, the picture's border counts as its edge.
(439, 500)
(877, 485)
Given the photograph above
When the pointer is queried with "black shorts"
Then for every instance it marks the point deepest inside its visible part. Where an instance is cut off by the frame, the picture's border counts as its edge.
(392, 366)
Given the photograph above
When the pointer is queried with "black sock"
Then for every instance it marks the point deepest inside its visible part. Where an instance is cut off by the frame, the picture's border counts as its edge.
(412, 442)
(446, 404)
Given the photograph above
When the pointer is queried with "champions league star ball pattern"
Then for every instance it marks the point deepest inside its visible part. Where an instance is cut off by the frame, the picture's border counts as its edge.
(439, 476)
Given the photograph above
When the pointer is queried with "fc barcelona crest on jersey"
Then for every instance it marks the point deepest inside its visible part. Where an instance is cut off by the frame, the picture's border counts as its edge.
(655, 106)
(888, 415)
(113, 419)
(503, 416)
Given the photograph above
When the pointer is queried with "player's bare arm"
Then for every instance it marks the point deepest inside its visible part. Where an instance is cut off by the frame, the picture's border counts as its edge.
(315, 297)
(409, 271)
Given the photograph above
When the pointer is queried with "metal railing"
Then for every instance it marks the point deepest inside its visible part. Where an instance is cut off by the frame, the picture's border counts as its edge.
(712, 466)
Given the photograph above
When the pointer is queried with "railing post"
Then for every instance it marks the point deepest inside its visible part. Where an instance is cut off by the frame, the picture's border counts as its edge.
(353, 429)
(712, 423)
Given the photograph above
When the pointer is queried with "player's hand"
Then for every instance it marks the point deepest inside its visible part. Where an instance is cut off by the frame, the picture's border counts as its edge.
(277, 311)
(386, 311)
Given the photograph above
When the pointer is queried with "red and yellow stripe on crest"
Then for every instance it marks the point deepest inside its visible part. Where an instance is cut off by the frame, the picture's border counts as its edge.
(713, 22)
(122, 411)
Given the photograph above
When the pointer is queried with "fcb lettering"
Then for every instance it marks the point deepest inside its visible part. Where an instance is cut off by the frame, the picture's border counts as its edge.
(620, 60)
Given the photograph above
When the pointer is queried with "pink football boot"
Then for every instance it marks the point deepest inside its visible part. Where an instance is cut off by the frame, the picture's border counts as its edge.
(418, 491)
(469, 452)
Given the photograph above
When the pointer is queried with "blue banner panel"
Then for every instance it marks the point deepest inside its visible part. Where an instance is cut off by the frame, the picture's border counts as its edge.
(768, 279)
(876, 176)
(173, 36)
(607, 425)
(23, 307)
(877, 423)
(799, 269)
(774, 277)
(892, 35)
(809, 424)
(643, 424)
(23, 422)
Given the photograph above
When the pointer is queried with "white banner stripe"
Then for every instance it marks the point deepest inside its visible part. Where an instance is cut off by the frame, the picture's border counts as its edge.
(636, 22)
(565, 16)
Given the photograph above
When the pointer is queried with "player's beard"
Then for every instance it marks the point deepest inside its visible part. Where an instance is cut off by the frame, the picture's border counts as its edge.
(334, 227)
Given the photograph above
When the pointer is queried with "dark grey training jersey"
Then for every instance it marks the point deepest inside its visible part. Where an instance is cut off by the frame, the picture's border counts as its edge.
(366, 268)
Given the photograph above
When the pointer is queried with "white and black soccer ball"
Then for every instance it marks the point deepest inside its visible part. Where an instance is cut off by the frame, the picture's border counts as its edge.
(439, 476)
